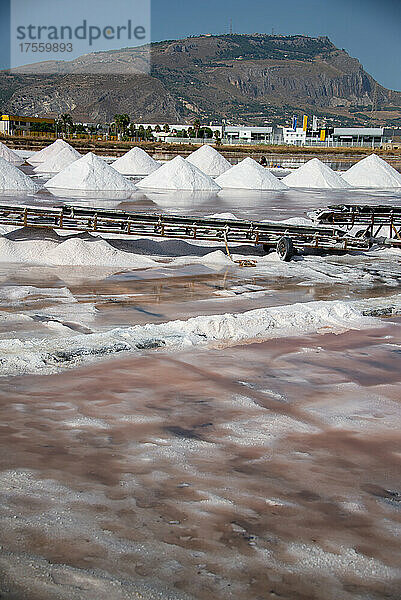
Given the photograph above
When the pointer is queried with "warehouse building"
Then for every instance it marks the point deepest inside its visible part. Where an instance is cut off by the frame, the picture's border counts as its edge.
(18, 125)
(359, 136)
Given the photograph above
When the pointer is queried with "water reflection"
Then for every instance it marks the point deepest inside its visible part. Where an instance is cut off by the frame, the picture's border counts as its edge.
(170, 200)
(259, 198)
(99, 196)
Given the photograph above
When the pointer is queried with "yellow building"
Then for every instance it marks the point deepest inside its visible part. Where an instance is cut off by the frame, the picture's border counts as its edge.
(14, 124)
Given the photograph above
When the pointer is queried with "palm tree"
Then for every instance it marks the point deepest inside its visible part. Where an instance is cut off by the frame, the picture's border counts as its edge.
(65, 121)
(122, 122)
(131, 130)
(197, 126)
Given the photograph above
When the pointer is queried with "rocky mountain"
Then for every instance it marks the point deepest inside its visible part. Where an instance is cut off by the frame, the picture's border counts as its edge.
(242, 78)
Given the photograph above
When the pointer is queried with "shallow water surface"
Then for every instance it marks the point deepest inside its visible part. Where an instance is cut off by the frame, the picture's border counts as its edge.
(260, 471)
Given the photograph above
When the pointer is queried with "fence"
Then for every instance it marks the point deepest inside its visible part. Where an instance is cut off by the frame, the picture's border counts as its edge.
(274, 142)
(224, 142)
(77, 136)
(341, 144)
(71, 136)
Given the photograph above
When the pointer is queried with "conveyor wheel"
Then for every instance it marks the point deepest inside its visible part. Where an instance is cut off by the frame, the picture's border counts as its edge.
(285, 248)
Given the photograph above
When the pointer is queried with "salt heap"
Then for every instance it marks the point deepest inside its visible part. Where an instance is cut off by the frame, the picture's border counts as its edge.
(73, 251)
(48, 152)
(250, 175)
(315, 174)
(179, 174)
(373, 172)
(10, 156)
(90, 173)
(136, 162)
(12, 179)
(59, 161)
(209, 161)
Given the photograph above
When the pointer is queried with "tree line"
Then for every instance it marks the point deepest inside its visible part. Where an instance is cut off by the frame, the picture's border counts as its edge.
(123, 128)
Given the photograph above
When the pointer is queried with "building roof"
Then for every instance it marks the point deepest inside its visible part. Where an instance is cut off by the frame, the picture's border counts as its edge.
(26, 119)
(372, 131)
(235, 128)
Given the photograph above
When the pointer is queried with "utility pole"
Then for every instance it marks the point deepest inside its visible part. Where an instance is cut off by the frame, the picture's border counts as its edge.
(231, 26)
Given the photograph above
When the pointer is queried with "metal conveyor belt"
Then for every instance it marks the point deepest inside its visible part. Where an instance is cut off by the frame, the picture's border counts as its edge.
(267, 234)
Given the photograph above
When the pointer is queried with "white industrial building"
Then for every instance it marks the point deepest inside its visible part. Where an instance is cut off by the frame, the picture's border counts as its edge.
(358, 135)
(293, 137)
(241, 134)
(373, 137)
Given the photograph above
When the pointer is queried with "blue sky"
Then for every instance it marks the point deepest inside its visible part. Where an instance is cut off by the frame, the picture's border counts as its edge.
(368, 29)
(100, 25)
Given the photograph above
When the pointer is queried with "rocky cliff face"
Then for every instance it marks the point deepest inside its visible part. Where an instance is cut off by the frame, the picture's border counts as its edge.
(241, 78)
(92, 98)
(296, 81)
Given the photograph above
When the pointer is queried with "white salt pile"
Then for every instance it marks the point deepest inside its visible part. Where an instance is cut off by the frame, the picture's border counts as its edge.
(74, 251)
(59, 161)
(48, 152)
(209, 161)
(90, 173)
(179, 174)
(9, 155)
(99, 252)
(136, 162)
(12, 179)
(250, 175)
(373, 172)
(315, 174)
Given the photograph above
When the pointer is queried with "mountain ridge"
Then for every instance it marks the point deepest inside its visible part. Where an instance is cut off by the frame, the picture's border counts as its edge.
(241, 78)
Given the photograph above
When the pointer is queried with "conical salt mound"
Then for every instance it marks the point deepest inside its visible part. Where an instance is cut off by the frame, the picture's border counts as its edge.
(179, 174)
(315, 174)
(10, 156)
(249, 175)
(59, 161)
(48, 152)
(90, 173)
(209, 161)
(14, 180)
(373, 172)
(135, 162)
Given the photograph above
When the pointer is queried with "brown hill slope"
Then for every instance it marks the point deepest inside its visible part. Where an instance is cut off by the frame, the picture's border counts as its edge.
(252, 78)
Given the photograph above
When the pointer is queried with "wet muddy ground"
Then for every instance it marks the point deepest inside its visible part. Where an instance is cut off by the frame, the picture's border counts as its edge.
(263, 471)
